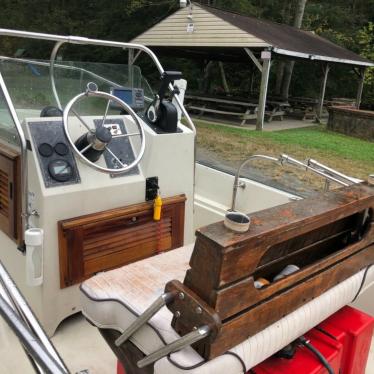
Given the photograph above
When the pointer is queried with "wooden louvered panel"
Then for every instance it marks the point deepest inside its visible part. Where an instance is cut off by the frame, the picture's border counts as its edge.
(102, 245)
(4, 193)
(113, 238)
(10, 202)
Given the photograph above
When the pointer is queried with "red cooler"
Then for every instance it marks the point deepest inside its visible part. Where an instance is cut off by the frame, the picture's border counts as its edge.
(305, 361)
(354, 329)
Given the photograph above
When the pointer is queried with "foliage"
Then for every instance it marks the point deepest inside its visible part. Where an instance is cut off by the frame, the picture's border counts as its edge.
(365, 39)
(346, 22)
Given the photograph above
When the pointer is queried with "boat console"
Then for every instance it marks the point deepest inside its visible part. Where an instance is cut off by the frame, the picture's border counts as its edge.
(79, 178)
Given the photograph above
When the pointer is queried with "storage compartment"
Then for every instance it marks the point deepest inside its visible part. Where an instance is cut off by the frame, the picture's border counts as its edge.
(113, 238)
(314, 246)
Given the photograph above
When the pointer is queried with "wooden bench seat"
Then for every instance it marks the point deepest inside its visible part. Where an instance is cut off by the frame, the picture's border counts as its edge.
(329, 238)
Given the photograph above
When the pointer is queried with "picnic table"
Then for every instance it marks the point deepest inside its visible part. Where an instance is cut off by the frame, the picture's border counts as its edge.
(303, 107)
(275, 108)
(241, 108)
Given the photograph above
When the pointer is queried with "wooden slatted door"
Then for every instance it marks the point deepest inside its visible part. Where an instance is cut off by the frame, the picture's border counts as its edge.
(10, 216)
(113, 238)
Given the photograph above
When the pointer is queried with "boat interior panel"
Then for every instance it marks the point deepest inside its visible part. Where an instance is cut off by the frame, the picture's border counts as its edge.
(10, 199)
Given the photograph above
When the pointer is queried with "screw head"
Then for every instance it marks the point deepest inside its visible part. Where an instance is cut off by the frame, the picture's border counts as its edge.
(181, 295)
(198, 310)
(177, 314)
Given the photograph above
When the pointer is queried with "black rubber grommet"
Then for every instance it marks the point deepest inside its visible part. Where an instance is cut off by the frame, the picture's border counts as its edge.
(45, 150)
(61, 149)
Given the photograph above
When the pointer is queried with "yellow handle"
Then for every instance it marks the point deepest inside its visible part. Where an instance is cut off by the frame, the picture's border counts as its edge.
(157, 208)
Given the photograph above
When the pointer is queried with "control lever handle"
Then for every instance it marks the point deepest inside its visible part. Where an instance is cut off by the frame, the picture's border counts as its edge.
(167, 77)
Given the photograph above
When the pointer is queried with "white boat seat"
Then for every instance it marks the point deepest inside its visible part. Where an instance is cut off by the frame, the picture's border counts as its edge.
(113, 299)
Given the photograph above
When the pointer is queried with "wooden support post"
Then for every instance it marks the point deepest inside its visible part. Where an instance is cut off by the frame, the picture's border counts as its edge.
(253, 58)
(360, 87)
(326, 69)
(266, 57)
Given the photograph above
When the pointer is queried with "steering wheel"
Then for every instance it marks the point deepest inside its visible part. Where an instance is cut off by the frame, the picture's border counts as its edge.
(100, 138)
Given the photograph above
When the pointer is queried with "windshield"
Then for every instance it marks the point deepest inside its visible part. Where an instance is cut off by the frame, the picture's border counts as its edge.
(8, 130)
(29, 85)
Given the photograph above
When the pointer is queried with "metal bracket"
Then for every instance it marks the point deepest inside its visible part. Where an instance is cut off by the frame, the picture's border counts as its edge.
(193, 337)
(145, 317)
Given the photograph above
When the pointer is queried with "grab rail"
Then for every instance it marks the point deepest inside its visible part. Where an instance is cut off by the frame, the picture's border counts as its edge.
(22, 139)
(330, 175)
(20, 318)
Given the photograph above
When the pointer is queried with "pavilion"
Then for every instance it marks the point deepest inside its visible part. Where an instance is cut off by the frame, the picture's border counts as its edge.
(204, 32)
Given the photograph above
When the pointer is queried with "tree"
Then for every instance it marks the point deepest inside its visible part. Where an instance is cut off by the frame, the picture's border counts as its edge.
(288, 67)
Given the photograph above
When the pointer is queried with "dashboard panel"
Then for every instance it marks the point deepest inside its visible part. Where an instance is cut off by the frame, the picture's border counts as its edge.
(56, 159)
(55, 155)
(121, 147)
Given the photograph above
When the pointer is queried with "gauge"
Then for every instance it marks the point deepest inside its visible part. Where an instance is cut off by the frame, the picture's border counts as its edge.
(61, 149)
(60, 170)
(45, 150)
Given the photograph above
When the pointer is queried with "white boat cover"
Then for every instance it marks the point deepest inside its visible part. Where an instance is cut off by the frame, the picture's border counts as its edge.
(113, 299)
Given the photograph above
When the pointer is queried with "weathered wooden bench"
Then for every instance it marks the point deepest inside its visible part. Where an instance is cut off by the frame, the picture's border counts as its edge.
(228, 107)
(329, 238)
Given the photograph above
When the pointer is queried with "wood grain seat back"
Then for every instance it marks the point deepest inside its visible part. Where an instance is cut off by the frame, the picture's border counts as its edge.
(329, 238)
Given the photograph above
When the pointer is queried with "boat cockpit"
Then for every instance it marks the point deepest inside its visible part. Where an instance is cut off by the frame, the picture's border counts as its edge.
(103, 209)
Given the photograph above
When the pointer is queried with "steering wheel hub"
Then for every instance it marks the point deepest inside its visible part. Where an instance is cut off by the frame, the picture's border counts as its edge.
(90, 146)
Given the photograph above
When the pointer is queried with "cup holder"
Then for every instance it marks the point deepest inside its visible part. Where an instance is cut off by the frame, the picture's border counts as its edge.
(236, 221)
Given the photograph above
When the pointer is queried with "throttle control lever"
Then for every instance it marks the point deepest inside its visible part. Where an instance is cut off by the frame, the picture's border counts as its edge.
(161, 111)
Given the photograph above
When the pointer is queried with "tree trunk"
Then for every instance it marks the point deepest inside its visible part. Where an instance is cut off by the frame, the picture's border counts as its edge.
(207, 76)
(280, 74)
(223, 78)
(287, 75)
(298, 20)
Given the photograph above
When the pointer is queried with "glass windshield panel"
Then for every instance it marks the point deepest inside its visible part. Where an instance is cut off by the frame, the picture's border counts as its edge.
(30, 87)
(8, 131)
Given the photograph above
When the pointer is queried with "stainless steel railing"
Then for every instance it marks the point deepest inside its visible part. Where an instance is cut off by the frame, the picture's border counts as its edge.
(22, 321)
(330, 175)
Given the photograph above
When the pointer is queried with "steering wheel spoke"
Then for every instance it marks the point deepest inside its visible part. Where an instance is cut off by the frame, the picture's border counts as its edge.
(95, 143)
(126, 135)
(85, 148)
(115, 157)
(81, 119)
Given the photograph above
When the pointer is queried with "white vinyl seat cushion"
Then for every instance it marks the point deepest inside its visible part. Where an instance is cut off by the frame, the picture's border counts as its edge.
(113, 299)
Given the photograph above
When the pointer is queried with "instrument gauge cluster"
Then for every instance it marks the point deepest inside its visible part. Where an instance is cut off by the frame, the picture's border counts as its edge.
(56, 159)
(60, 170)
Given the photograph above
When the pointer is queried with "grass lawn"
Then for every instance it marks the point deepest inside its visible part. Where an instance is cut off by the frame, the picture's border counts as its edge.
(349, 155)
